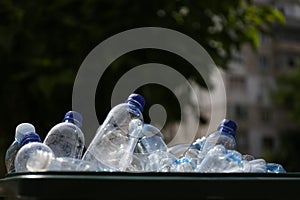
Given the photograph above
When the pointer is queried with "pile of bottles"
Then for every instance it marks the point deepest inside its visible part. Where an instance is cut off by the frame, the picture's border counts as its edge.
(123, 142)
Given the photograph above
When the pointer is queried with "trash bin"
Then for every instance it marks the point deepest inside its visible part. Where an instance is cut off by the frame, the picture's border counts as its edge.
(149, 185)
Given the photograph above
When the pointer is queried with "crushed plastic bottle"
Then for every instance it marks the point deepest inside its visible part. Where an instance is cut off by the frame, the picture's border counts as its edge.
(187, 154)
(194, 151)
(137, 164)
(274, 168)
(184, 164)
(113, 145)
(178, 150)
(160, 161)
(46, 161)
(258, 165)
(123, 142)
(218, 159)
(152, 140)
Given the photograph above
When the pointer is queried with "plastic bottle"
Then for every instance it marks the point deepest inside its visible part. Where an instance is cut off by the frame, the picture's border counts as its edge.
(178, 149)
(152, 140)
(30, 143)
(187, 150)
(221, 160)
(224, 135)
(275, 168)
(137, 163)
(160, 161)
(66, 139)
(184, 164)
(13, 149)
(46, 161)
(35, 156)
(194, 150)
(114, 143)
(257, 165)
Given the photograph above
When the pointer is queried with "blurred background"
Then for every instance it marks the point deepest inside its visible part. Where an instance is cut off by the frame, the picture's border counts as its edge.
(256, 45)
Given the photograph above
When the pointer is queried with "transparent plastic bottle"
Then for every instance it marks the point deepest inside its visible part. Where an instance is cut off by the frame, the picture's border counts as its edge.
(35, 156)
(257, 165)
(179, 149)
(194, 150)
(184, 164)
(160, 161)
(13, 149)
(30, 143)
(224, 135)
(221, 160)
(187, 150)
(137, 164)
(114, 143)
(152, 140)
(66, 139)
(46, 161)
(275, 168)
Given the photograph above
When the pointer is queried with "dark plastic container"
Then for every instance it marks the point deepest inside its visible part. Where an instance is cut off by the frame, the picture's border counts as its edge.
(123, 185)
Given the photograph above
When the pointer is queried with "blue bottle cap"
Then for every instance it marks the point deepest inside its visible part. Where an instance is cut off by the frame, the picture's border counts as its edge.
(228, 126)
(73, 117)
(23, 128)
(30, 137)
(137, 99)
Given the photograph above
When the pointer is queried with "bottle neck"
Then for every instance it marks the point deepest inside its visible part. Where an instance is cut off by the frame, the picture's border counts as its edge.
(73, 117)
(72, 121)
(226, 130)
(30, 137)
(135, 104)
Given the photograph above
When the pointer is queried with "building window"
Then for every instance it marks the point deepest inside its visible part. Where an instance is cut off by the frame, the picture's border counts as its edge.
(292, 10)
(291, 62)
(237, 55)
(263, 63)
(266, 115)
(237, 82)
(264, 39)
(240, 111)
(268, 146)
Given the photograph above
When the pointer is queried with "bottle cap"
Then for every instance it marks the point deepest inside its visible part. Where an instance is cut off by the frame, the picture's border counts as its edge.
(73, 117)
(137, 99)
(23, 128)
(228, 126)
(30, 137)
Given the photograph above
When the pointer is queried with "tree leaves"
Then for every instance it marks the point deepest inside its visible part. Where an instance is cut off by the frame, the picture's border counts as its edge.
(286, 95)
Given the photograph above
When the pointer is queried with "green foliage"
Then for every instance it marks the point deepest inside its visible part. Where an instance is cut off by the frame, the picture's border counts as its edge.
(44, 42)
(287, 97)
(288, 155)
(286, 94)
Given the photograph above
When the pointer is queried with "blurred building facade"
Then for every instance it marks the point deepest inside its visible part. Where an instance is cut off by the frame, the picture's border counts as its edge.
(251, 78)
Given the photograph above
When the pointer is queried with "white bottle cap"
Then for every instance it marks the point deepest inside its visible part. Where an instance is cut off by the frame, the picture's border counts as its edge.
(23, 128)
